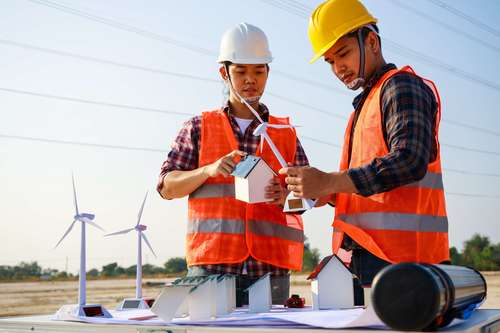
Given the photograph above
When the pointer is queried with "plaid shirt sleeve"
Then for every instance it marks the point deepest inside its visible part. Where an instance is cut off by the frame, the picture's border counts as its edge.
(184, 150)
(408, 109)
(300, 155)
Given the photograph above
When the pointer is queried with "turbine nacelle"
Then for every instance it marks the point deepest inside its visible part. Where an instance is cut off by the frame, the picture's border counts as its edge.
(140, 227)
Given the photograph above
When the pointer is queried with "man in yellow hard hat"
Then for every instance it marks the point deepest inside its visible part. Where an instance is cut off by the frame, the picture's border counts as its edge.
(388, 196)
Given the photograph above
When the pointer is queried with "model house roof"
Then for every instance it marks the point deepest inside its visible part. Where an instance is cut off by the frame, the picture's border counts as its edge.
(260, 279)
(246, 165)
(323, 264)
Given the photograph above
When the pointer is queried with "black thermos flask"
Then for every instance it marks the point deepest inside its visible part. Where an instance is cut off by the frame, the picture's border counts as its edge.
(411, 296)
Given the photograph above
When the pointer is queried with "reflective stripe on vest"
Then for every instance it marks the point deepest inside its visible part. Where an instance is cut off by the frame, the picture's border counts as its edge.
(216, 225)
(397, 221)
(213, 191)
(238, 227)
(276, 230)
(431, 180)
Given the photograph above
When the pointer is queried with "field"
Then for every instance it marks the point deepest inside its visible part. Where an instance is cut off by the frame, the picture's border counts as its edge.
(28, 298)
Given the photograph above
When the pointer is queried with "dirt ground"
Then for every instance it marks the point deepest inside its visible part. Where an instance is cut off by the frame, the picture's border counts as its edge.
(28, 298)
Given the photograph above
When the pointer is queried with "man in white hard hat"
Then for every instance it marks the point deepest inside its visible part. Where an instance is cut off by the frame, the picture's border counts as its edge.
(226, 235)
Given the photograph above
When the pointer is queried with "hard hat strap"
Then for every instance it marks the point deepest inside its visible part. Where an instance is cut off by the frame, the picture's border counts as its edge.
(360, 80)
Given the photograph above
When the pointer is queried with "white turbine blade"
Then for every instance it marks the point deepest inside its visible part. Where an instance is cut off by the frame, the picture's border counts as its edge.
(147, 243)
(281, 126)
(142, 207)
(92, 224)
(66, 233)
(74, 193)
(119, 232)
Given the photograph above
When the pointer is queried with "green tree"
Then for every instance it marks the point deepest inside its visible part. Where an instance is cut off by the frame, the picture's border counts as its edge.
(175, 265)
(109, 269)
(131, 270)
(478, 253)
(310, 259)
(455, 256)
(93, 272)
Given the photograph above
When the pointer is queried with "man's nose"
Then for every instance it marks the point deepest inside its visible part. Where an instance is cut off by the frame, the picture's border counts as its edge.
(250, 79)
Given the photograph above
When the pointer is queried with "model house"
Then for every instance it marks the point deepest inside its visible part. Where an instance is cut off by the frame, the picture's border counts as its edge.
(331, 285)
(251, 176)
(226, 294)
(259, 295)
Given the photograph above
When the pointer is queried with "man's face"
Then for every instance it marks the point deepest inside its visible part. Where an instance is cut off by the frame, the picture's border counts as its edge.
(248, 80)
(343, 58)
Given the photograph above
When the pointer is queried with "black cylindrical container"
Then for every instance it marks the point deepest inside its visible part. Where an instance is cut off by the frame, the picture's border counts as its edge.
(412, 296)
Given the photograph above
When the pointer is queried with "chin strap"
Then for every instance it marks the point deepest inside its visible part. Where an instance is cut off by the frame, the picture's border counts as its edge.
(360, 80)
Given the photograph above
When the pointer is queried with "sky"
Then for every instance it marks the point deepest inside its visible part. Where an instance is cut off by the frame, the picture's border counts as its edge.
(121, 76)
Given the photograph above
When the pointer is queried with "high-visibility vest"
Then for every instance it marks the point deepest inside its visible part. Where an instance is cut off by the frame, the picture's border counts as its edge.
(408, 223)
(222, 229)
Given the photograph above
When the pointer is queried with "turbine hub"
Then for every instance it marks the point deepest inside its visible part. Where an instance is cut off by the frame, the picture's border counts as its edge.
(141, 227)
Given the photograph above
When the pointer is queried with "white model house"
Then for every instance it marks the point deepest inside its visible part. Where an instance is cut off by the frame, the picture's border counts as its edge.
(226, 294)
(251, 176)
(259, 295)
(331, 285)
(201, 298)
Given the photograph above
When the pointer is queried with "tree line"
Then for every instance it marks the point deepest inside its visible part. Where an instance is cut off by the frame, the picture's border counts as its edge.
(478, 252)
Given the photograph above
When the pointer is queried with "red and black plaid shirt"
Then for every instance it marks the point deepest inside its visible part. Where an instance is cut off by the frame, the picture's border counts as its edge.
(184, 156)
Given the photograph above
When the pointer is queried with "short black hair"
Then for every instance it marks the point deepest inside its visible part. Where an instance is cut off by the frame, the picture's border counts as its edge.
(365, 31)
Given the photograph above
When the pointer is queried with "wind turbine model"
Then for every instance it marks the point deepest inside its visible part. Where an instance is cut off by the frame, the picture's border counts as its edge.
(138, 302)
(81, 309)
(292, 203)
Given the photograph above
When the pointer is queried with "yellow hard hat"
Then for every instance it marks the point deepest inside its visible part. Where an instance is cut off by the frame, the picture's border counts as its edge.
(334, 19)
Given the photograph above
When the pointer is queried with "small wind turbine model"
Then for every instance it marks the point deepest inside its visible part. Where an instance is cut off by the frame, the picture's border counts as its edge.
(293, 204)
(138, 302)
(82, 309)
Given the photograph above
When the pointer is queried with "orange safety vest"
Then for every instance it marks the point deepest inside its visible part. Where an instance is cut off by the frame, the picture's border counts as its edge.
(223, 230)
(408, 223)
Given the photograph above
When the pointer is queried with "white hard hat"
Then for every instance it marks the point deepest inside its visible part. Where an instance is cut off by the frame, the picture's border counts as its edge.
(245, 44)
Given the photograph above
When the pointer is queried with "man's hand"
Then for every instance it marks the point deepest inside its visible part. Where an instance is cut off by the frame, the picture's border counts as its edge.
(329, 199)
(224, 165)
(276, 192)
(309, 182)
(306, 182)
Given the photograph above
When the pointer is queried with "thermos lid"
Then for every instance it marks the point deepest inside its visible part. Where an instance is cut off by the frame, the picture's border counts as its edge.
(407, 296)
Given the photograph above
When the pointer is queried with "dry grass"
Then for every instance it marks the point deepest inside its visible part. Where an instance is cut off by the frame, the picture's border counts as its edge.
(28, 298)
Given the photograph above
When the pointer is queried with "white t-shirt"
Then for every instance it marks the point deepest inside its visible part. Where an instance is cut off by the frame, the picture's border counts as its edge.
(243, 123)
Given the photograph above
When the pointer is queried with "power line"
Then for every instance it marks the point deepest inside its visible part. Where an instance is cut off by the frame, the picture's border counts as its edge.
(161, 38)
(156, 150)
(168, 112)
(482, 196)
(206, 79)
(77, 143)
(415, 11)
(86, 101)
(405, 51)
(139, 108)
(466, 17)
(397, 47)
(129, 148)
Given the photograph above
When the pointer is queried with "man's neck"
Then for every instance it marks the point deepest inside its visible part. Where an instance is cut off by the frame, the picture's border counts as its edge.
(240, 110)
(381, 63)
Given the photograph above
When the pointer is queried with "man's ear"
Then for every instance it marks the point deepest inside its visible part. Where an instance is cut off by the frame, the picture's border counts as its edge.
(223, 73)
(373, 42)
